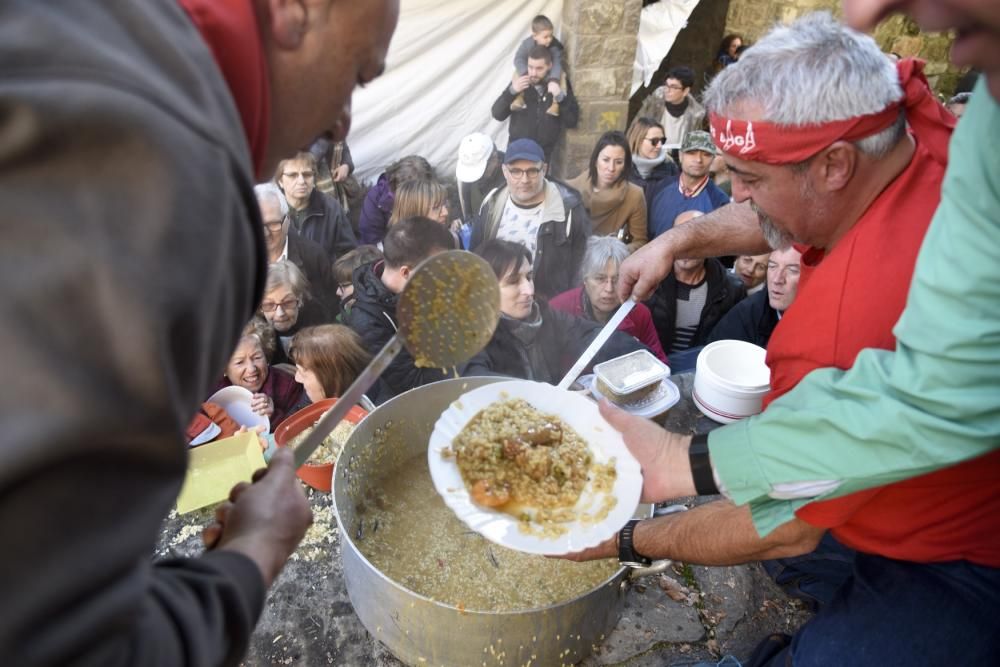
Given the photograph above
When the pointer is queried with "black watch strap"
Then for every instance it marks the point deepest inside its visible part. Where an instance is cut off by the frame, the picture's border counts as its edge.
(627, 555)
(701, 466)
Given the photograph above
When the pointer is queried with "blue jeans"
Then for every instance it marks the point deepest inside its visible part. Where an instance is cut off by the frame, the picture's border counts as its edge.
(890, 612)
(814, 577)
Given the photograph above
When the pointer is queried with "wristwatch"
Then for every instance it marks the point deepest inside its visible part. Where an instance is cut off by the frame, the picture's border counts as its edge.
(627, 555)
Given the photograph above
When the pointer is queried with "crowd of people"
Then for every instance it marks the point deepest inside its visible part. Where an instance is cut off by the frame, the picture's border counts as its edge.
(571, 236)
(867, 486)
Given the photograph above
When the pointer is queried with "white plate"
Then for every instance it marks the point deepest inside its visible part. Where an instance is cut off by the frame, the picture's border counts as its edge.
(576, 411)
(235, 401)
(652, 404)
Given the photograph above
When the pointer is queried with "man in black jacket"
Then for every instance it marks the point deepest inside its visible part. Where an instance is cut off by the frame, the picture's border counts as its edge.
(376, 289)
(689, 302)
(534, 121)
(133, 258)
(754, 318)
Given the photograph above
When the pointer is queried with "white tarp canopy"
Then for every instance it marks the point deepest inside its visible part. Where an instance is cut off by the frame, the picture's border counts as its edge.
(448, 62)
(659, 25)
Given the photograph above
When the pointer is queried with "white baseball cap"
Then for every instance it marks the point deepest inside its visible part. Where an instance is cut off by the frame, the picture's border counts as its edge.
(473, 154)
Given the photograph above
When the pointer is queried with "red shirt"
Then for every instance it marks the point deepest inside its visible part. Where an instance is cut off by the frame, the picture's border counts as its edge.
(229, 28)
(848, 300)
(638, 323)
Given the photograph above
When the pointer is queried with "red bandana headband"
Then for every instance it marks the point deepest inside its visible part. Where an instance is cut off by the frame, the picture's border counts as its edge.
(760, 141)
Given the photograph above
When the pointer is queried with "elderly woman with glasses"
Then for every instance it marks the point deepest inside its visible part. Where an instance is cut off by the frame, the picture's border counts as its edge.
(313, 213)
(651, 161)
(597, 299)
(276, 394)
(288, 305)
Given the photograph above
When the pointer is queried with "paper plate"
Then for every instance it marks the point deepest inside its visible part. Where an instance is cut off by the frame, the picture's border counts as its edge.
(574, 410)
(235, 401)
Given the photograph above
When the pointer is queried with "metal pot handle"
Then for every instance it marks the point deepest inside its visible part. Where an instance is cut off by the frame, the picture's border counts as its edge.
(656, 567)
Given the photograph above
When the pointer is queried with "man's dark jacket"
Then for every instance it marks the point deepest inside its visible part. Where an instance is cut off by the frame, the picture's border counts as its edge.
(533, 122)
(724, 291)
(324, 222)
(134, 255)
(752, 320)
(373, 317)
(318, 269)
(562, 236)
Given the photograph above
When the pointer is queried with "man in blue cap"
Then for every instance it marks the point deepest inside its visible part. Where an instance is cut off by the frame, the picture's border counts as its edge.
(546, 217)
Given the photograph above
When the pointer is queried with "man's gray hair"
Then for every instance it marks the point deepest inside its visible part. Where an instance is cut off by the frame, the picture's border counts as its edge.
(813, 71)
(600, 250)
(271, 192)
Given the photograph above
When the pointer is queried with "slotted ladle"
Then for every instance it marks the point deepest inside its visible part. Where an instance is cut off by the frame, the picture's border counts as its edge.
(446, 313)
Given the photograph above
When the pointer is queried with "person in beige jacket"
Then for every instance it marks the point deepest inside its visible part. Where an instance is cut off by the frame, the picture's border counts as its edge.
(616, 206)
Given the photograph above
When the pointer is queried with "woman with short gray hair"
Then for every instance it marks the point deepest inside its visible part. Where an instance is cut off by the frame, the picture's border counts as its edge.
(288, 305)
(597, 298)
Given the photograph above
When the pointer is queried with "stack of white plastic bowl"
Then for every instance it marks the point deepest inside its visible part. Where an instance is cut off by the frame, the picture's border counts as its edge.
(731, 379)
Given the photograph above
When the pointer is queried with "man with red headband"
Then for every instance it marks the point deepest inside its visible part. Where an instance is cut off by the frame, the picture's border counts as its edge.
(893, 415)
(833, 168)
(131, 134)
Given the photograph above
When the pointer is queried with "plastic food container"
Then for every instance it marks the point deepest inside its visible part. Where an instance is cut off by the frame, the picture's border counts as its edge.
(628, 378)
(731, 379)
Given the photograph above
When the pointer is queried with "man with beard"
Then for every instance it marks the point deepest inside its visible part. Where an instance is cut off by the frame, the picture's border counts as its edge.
(893, 415)
(845, 180)
(132, 134)
(532, 121)
(692, 189)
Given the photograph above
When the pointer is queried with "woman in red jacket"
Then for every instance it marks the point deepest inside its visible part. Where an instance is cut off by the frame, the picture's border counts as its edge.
(597, 298)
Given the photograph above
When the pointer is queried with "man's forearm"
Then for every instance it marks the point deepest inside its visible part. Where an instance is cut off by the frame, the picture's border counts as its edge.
(733, 229)
(720, 533)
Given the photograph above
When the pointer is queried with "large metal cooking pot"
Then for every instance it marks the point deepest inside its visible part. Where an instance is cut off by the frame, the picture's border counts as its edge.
(420, 631)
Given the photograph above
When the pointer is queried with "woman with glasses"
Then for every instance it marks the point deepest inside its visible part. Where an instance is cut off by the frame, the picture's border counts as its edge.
(288, 305)
(314, 214)
(651, 161)
(533, 341)
(616, 207)
(597, 299)
(276, 394)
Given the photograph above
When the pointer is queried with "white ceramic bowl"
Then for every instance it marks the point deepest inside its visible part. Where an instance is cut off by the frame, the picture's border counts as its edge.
(731, 379)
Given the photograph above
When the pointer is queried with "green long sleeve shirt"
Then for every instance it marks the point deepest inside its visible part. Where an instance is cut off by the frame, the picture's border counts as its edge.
(931, 403)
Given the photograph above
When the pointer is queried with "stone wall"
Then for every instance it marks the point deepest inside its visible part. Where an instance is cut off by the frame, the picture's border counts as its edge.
(753, 18)
(600, 40)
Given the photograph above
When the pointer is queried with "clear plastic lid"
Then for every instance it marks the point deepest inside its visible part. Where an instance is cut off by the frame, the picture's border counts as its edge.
(632, 371)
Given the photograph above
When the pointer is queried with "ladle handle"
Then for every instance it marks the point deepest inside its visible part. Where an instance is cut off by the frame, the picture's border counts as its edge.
(597, 344)
(344, 403)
